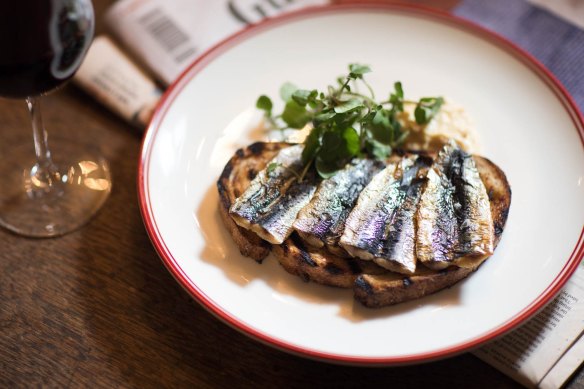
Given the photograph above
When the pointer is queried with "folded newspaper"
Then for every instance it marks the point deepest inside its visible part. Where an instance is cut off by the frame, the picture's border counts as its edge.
(546, 350)
(168, 35)
(165, 36)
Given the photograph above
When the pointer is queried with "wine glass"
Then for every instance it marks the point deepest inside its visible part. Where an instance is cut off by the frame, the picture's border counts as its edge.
(42, 44)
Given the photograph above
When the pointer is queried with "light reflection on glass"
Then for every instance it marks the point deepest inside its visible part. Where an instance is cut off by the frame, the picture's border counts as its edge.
(38, 183)
(96, 183)
(87, 167)
(76, 175)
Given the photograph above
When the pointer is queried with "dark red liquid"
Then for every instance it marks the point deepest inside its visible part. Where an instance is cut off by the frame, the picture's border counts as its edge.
(42, 43)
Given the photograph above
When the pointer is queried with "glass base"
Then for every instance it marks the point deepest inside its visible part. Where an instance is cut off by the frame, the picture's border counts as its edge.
(44, 203)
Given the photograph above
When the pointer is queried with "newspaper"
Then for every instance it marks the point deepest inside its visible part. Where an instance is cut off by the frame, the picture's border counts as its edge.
(115, 81)
(164, 36)
(546, 350)
(168, 35)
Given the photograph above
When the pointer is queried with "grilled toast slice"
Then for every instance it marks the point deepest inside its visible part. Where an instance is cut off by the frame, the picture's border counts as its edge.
(373, 285)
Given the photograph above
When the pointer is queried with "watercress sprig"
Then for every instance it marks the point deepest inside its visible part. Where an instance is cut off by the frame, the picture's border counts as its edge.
(345, 123)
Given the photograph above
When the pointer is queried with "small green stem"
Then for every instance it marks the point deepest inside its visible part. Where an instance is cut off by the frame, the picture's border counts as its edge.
(404, 101)
(370, 89)
(343, 87)
(366, 98)
(303, 173)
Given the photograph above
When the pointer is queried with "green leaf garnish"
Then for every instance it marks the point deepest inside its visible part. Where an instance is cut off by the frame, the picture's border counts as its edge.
(265, 104)
(287, 90)
(324, 117)
(350, 105)
(333, 147)
(303, 97)
(345, 123)
(397, 98)
(357, 71)
(272, 166)
(294, 115)
(378, 149)
(427, 108)
(380, 127)
(352, 141)
(311, 145)
(325, 169)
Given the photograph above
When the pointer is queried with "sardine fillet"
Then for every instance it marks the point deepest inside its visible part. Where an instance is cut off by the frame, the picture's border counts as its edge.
(368, 218)
(454, 219)
(381, 227)
(267, 187)
(437, 233)
(270, 204)
(399, 252)
(234, 180)
(322, 221)
(277, 224)
(476, 226)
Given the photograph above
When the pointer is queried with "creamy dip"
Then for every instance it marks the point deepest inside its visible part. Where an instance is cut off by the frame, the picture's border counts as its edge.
(451, 122)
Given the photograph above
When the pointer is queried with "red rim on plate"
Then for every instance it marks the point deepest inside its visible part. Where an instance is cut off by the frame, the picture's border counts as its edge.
(170, 262)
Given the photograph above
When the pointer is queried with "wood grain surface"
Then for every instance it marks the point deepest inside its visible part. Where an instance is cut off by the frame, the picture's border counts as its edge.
(97, 308)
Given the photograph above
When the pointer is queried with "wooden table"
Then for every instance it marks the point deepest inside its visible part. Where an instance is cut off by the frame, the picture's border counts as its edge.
(97, 307)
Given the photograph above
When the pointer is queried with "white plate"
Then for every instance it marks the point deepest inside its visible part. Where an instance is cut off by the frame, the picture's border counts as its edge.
(528, 125)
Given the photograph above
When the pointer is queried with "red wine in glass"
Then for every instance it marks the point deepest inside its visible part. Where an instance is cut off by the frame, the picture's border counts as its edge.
(42, 44)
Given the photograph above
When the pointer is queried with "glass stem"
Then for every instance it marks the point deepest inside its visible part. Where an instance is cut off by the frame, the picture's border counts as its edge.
(44, 169)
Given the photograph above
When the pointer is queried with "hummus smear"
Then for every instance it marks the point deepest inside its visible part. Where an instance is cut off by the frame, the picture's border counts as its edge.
(450, 122)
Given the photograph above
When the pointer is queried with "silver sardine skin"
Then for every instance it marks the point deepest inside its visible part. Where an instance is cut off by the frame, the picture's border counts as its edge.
(277, 224)
(399, 249)
(322, 221)
(271, 203)
(472, 209)
(454, 218)
(437, 234)
(367, 226)
(267, 186)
